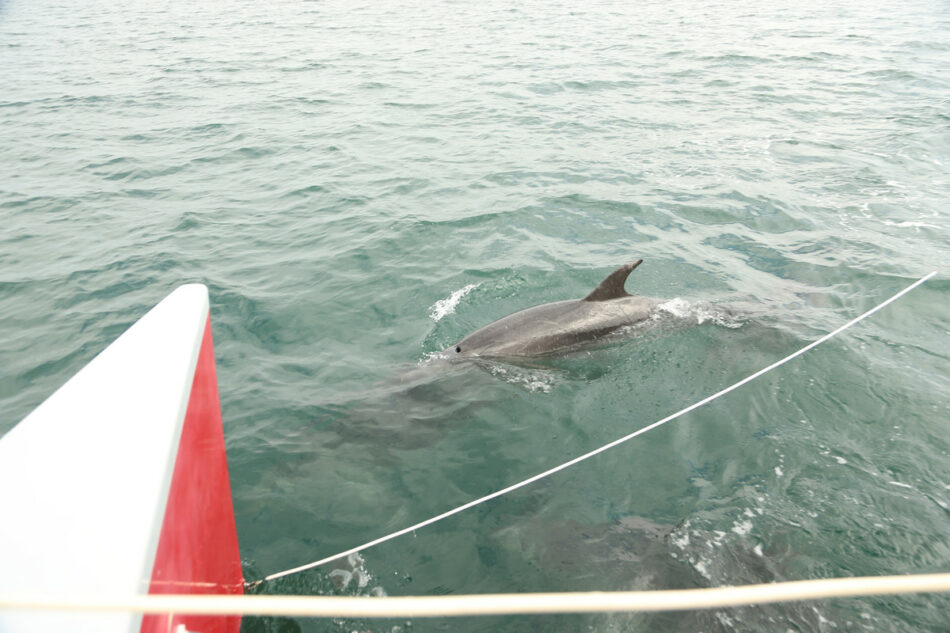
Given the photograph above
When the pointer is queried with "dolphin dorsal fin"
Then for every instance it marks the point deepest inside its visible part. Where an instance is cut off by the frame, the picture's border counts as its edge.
(612, 286)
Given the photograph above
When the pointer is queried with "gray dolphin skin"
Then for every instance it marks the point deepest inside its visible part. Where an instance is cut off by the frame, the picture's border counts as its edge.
(554, 327)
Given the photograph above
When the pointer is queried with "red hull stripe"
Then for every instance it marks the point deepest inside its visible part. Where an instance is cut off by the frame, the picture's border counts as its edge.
(198, 548)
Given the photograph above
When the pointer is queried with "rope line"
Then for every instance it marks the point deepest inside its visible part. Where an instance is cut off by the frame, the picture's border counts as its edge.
(491, 604)
(597, 451)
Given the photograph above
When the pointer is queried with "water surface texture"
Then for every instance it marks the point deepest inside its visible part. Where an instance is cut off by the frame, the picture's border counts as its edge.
(362, 184)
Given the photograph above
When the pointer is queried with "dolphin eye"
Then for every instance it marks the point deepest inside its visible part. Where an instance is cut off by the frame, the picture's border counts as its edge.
(458, 349)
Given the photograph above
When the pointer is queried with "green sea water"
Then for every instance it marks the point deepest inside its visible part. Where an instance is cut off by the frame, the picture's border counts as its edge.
(362, 184)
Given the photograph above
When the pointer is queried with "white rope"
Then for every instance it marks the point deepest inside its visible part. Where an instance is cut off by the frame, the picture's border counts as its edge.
(491, 604)
(603, 448)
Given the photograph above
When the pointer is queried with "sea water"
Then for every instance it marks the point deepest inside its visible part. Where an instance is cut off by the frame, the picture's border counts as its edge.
(361, 184)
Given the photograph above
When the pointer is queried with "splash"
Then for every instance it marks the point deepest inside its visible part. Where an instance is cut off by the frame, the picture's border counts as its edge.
(699, 313)
(447, 306)
(353, 571)
(535, 381)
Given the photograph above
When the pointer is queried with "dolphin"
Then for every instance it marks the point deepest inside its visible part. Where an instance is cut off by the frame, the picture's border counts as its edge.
(558, 326)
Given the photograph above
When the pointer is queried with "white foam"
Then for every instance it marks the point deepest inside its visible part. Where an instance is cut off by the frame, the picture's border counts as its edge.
(341, 577)
(699, 312)
(725, 620)
(702, 568)
(447, 306)
(677, 307)
(533, 381)
(742, 527)
(354, 572)
(681, 540)
(911, 225)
